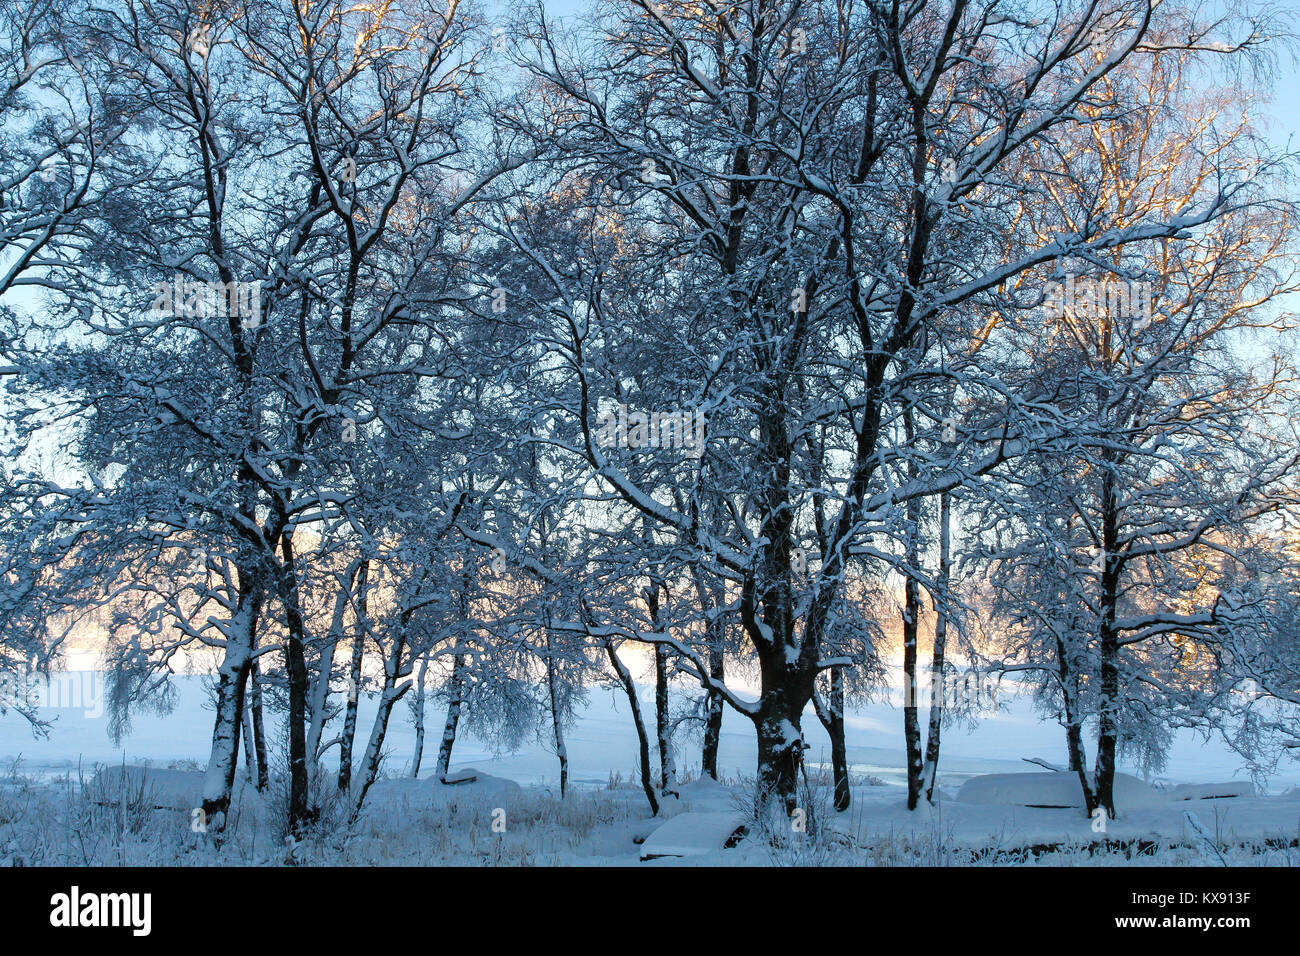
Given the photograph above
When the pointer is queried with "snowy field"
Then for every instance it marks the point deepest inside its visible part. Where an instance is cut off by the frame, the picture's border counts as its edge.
(510, 812)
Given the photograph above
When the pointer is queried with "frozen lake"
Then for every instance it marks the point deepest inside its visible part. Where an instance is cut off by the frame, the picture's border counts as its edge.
(601, 743)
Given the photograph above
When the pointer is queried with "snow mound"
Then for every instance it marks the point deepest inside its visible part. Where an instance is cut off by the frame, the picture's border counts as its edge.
(706, 795)
(471, 781)
(1212, 791)
(150, 786)
(464, 775)
(1056, 790)
(692, 834)
(469, 785)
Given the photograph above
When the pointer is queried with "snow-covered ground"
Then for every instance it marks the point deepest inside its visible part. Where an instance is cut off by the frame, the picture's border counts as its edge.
(606, 819)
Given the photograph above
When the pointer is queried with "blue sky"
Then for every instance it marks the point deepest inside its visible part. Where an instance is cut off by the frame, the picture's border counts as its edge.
(1284, 111)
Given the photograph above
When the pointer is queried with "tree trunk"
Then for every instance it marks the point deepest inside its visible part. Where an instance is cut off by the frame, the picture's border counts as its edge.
(780, 752)
(831, 715)
(663, 732)
(320, 689)
(663, 729)
(911, 723)
(713, 634)
(931, 772)
(354, 682)
(1074, 746)
(453, 717)
(1074, 724)
(295, 660)
(419, 716)
(250, 754)
(786, 687)
(839, 749)
(713, 723)
(557, 716)
(392, 692)
(1108, 722)
(1107, 728)
(643, 740)
(787, 660)
(254, 768)
(259, 727)
(911, 622)
(374, 748)
(232, 678)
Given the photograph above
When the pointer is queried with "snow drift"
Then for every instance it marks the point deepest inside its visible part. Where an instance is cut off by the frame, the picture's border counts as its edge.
(1056, 790)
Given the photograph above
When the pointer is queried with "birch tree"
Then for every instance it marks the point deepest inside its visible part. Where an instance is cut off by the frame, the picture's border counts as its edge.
(1121, 572)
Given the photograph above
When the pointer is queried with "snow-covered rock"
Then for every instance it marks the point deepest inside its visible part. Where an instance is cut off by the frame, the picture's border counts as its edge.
(693, 834)
(1054, 790)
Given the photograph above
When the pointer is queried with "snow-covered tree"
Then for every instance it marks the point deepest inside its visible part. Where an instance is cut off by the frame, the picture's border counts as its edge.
(1117, 557)
(797, 205)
